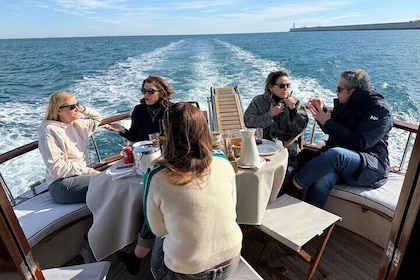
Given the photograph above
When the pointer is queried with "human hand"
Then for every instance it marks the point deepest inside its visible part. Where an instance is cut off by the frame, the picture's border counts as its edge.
(277, 109)
(81, 108)
(115, 127)
(318, 113)
(315, 101)
(290, 101)
(95, 172)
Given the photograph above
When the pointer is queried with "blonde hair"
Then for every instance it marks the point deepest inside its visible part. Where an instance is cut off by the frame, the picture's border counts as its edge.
(56, 100)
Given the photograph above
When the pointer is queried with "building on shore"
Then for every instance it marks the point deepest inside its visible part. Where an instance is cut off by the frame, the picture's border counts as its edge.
(414, 24)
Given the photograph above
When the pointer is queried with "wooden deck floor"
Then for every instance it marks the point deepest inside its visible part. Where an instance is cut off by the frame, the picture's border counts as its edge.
(347, 256)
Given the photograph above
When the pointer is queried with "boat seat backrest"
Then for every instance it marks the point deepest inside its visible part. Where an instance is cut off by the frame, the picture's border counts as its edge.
(381, 200)
(41, 215)
(89, 271)
(245, 272)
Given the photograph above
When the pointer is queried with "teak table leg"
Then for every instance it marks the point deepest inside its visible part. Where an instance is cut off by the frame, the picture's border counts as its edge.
(314, 262)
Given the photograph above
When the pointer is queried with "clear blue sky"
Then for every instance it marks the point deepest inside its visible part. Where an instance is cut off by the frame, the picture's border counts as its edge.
(73, 18)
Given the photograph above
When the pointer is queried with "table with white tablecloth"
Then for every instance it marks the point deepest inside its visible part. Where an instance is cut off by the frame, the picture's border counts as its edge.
(117, 208)
(257, 188)
(117, 204)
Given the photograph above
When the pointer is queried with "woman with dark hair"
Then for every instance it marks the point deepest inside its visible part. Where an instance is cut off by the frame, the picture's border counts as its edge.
(146, 115)
(279, 113)
(190, 203)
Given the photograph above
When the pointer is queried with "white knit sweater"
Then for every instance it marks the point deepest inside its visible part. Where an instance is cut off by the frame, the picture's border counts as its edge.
(64, 147)
(197, 220)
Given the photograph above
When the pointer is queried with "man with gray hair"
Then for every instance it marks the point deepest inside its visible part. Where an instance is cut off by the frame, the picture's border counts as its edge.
(356, 152)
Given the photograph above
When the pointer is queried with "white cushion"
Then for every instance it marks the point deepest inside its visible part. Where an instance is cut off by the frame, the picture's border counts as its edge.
(383, 199)
(41, 216)
(245, 272)
(90, 271)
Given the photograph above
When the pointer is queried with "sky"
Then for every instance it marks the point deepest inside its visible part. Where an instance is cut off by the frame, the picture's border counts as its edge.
(81, 18)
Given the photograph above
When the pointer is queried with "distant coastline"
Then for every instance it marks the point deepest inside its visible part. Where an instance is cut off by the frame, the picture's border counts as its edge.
(415, 24)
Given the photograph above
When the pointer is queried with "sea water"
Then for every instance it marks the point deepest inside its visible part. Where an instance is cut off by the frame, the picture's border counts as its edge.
(106, 73)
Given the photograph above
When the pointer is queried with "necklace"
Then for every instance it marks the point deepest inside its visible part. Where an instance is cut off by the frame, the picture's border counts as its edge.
(153, 112)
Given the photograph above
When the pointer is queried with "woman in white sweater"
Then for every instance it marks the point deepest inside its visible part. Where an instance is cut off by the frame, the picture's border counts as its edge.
(63, 143)
(190, 203)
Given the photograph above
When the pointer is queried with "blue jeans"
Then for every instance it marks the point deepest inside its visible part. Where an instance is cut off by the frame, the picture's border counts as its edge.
(321, 173)
(161, 272)
(71, 189)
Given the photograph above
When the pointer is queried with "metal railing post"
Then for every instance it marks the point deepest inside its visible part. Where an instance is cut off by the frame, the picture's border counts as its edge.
(405, 151)
(98, 155)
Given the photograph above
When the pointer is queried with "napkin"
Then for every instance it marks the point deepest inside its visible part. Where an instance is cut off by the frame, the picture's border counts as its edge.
(128, 173)
(259, 164)
(255, 166)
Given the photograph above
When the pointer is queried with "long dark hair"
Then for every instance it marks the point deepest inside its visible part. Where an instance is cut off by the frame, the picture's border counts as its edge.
(187, 153)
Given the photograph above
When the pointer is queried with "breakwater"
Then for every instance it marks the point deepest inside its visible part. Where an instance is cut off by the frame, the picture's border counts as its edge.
(376, 26)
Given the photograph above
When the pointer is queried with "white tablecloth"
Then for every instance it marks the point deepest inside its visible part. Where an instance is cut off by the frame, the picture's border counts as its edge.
(117, 207)
(257, 188)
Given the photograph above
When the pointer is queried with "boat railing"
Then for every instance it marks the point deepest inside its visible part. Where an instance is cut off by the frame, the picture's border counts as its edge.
(34, 145)
(410, 128)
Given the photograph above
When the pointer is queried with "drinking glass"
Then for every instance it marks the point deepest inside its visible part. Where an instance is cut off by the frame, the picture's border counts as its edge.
(259, 135)
(154, 137)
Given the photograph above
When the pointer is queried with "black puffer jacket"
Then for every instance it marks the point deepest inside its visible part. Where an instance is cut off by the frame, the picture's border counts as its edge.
(283, 126)
(362, 124)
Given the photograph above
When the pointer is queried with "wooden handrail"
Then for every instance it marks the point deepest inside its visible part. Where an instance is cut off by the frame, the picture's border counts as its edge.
(18, 151)
(115, 118)
(34, 145)
(411, 127)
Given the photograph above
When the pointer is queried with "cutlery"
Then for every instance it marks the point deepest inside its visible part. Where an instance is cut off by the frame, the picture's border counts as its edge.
(125, 166)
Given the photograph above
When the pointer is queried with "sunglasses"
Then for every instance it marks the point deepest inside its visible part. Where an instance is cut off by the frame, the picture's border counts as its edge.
(72, 107)
(149, 91)
(340, 89)
(283, 85)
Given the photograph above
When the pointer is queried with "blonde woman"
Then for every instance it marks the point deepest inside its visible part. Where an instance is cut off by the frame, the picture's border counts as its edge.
(63, 144)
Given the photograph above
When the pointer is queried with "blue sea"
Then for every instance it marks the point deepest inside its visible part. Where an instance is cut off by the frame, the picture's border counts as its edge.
(106, 73)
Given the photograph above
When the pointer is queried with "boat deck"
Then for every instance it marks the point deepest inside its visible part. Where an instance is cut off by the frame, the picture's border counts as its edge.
(347, 256)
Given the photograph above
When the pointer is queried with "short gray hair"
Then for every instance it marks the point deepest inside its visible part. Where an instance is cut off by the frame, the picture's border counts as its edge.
(356, 78)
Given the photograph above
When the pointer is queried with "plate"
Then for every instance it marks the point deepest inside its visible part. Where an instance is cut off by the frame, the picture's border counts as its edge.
(262, 161)
(267, 148)
(120, 169)
(142, 143)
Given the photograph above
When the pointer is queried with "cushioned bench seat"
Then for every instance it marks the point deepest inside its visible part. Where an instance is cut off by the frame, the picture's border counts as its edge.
(53, 229)
(383, 199)
(245, 272)
(41, 215)
(368, 212)
(90, 271)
